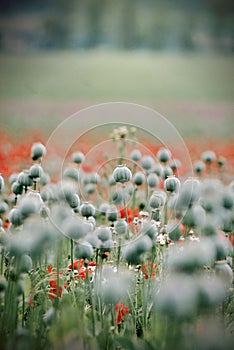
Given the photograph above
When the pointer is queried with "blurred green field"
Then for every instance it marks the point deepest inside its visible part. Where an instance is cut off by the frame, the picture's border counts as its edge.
(195, 92)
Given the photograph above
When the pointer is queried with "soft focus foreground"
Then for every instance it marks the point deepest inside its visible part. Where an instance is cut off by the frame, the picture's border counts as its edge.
(136, 255)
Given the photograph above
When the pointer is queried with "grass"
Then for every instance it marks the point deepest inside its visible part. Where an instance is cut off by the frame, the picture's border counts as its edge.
(194, 91)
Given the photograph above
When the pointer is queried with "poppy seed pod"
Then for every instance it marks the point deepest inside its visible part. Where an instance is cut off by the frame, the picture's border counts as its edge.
(121, 226)
(3, 207)
(199, 167)
(78, 157)
(149, 229)
(15, 217)
(83, 250)
(87, 209)
(103, 208)
(135, 155)
(122, 174)
(157, 169)
(224, 272)
(138, 178)
(112, 213)
(104, 233)
(152, 180)
(167, 171)
(157, 199)
(25, 179)
(35, 171)
(2, 183)
(13, 178)
(172, 184)
(71, 173)
(25, 263)
(208, 157)
(38, 150)
(164, 155)
(75, 228)
(147, 162)
(17, 188)
(174, 231)
(175, 164)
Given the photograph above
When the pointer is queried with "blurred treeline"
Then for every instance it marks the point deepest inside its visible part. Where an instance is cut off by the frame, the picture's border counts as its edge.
(204, 25)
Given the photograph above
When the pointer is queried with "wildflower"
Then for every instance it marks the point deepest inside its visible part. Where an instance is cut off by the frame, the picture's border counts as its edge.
(121, 310)
(149, 267)
(80, 271)
(123, 214)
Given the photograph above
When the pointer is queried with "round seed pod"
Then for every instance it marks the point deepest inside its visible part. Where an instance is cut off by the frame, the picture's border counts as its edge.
(15, 217)
(13, 178)
(78, 157)
(24, 179)
(164, 155)
(74, 201)
(167, 172)
(199, 167)
(149, 229)
(104, 233)
(158, 169)
(131, 255)
(87, 209)
(135, 155)
(143, 244)
(172, 184)
(3, 208)
(122, 174)
(83, 250)
(44, 179)
(147, 162)
(112, 213)
(175, 164)
(111, 181)
(138, 178)
(71, 173)
(38, 150)
(16, 188)
(103, 208)
(208, 157)
(227, 200)
(25, 263)
(74, 228)
(121, 226)
(157, 199)
(174, 231)
(35, 171)
(152, 180)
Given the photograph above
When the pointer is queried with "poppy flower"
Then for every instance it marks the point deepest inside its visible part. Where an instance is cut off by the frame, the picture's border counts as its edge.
(80, 270)
(121, 310)
(152, 267)
(129, 213)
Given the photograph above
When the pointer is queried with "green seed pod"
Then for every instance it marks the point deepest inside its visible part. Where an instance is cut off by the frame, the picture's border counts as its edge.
(122, 174)
(87, 209)
(71, 173)
(75, 228)
(3, 208)
(20, 287)
(138, 178)
(13, 178)
(152, 180)
(104, 233)
(173, 230)
(38, 150)
(121, 226)
(157, 199)
(147, 162)
(103, 208)
(15, 217)
(224, 272)
(199, 167)
(157, 169)
(172, 184)
(83, 250)
(164, 155)
(35, 171)
(167, 172)
(135, 155)
(93, 240)
(148, 228)
(25, 263)
(208, 157)
(112, 213)
(175, 164)
(16, 188)
(78, 157)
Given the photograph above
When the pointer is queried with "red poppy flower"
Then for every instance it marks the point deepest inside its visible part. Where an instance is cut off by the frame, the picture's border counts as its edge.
(121, 310)
(152, 267)
(81, 269)
(129, 213)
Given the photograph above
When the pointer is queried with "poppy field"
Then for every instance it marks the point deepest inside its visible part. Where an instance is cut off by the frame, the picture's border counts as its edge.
(131, 251)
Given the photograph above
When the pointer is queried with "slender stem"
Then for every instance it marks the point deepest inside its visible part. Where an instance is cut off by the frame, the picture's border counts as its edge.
(124, 203)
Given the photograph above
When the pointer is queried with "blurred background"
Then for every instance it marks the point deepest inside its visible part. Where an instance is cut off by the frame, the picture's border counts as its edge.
(58, 56)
